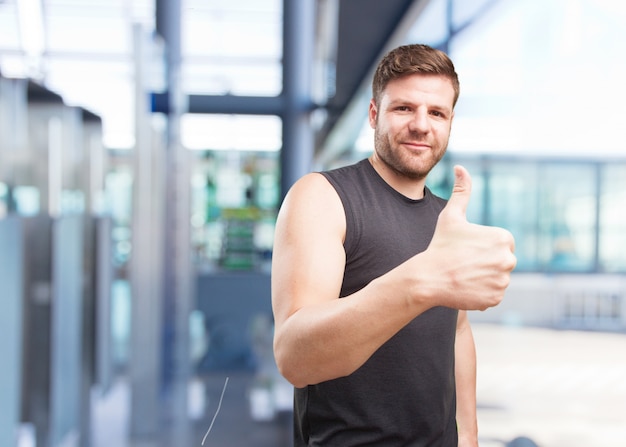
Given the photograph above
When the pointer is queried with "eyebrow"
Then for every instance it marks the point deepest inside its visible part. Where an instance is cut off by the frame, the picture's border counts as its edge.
(440, 108)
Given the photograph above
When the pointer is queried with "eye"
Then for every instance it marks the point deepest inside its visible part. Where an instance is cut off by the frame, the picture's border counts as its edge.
(436, 113)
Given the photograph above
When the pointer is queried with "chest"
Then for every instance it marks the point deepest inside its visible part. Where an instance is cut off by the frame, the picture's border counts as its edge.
(382, 235)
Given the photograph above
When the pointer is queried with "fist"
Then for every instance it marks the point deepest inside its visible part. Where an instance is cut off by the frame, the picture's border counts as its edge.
(471, 263)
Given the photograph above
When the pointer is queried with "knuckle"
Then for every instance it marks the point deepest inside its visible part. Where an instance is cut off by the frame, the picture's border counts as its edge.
(505, 280)
(507, 261)
(504, 237)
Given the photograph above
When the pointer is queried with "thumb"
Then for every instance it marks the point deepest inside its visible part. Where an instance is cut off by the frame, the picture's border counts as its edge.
(461, 191)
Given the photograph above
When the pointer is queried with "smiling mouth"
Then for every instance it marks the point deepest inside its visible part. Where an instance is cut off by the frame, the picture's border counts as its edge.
(416, 145)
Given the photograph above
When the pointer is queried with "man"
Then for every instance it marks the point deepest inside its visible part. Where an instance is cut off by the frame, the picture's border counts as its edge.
(372, 277)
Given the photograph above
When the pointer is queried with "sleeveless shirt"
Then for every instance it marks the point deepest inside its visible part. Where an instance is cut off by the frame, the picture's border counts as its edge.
(404, 395)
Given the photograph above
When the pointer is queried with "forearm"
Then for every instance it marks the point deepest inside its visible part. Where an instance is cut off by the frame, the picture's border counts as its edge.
(334, 338)
(465, 371)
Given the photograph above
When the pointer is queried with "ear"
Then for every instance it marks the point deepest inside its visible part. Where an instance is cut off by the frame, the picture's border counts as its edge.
(372, 113)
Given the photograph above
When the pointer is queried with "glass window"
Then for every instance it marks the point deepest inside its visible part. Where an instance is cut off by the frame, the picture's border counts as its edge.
(231, 132)
(612, 237)
(567, 216)
(511, 203)
(549, 207)
(232, 47)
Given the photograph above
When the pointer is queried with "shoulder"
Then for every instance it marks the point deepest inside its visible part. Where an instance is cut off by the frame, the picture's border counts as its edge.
(349, 173)
(314, 187)
(311, 204)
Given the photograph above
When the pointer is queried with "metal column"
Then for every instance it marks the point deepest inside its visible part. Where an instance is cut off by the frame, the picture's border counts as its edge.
(162, 186)
(177, 267)
(145, 264)
(298, 54)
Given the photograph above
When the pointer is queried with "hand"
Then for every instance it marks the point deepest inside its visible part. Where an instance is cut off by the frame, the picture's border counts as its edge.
(470, 263)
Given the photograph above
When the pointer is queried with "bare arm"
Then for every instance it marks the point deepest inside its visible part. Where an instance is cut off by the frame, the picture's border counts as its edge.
(320, 337)
(465, 371)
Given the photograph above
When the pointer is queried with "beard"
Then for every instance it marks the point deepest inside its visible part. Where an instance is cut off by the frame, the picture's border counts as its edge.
(405, 163)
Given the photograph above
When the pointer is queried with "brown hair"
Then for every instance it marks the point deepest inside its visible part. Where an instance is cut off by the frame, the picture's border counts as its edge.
(411, 59)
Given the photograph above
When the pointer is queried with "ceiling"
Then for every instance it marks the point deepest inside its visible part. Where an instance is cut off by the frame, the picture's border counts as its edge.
(83, 49)
(85, 55)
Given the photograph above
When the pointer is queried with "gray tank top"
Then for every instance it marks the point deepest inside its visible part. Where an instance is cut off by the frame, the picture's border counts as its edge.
(404, 395)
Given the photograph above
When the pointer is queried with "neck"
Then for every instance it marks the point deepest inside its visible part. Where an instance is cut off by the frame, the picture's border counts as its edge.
(413, 188)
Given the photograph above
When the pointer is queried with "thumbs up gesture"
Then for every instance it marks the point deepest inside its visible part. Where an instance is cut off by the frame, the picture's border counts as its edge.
(470, 264)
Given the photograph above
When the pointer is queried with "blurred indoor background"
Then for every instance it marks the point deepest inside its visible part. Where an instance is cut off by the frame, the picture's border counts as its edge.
(145, 147)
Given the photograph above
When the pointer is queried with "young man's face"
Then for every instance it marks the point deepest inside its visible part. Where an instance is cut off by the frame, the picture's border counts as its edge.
(412, 123)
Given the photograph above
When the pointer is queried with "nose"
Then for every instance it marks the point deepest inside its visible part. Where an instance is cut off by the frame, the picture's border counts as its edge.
(419, 121)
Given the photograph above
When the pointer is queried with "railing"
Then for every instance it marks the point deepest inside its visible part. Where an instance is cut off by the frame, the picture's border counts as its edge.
(592, 309)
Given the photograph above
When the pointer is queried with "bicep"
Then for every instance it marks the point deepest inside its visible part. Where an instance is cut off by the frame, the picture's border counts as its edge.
(308, 258)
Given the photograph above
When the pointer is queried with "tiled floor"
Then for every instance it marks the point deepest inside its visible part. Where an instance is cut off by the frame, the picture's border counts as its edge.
(225, 424)
(558, 388)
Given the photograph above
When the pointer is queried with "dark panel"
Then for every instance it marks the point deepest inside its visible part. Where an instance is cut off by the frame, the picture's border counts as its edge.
(39, 93)
(365, 26)
(231, 302)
